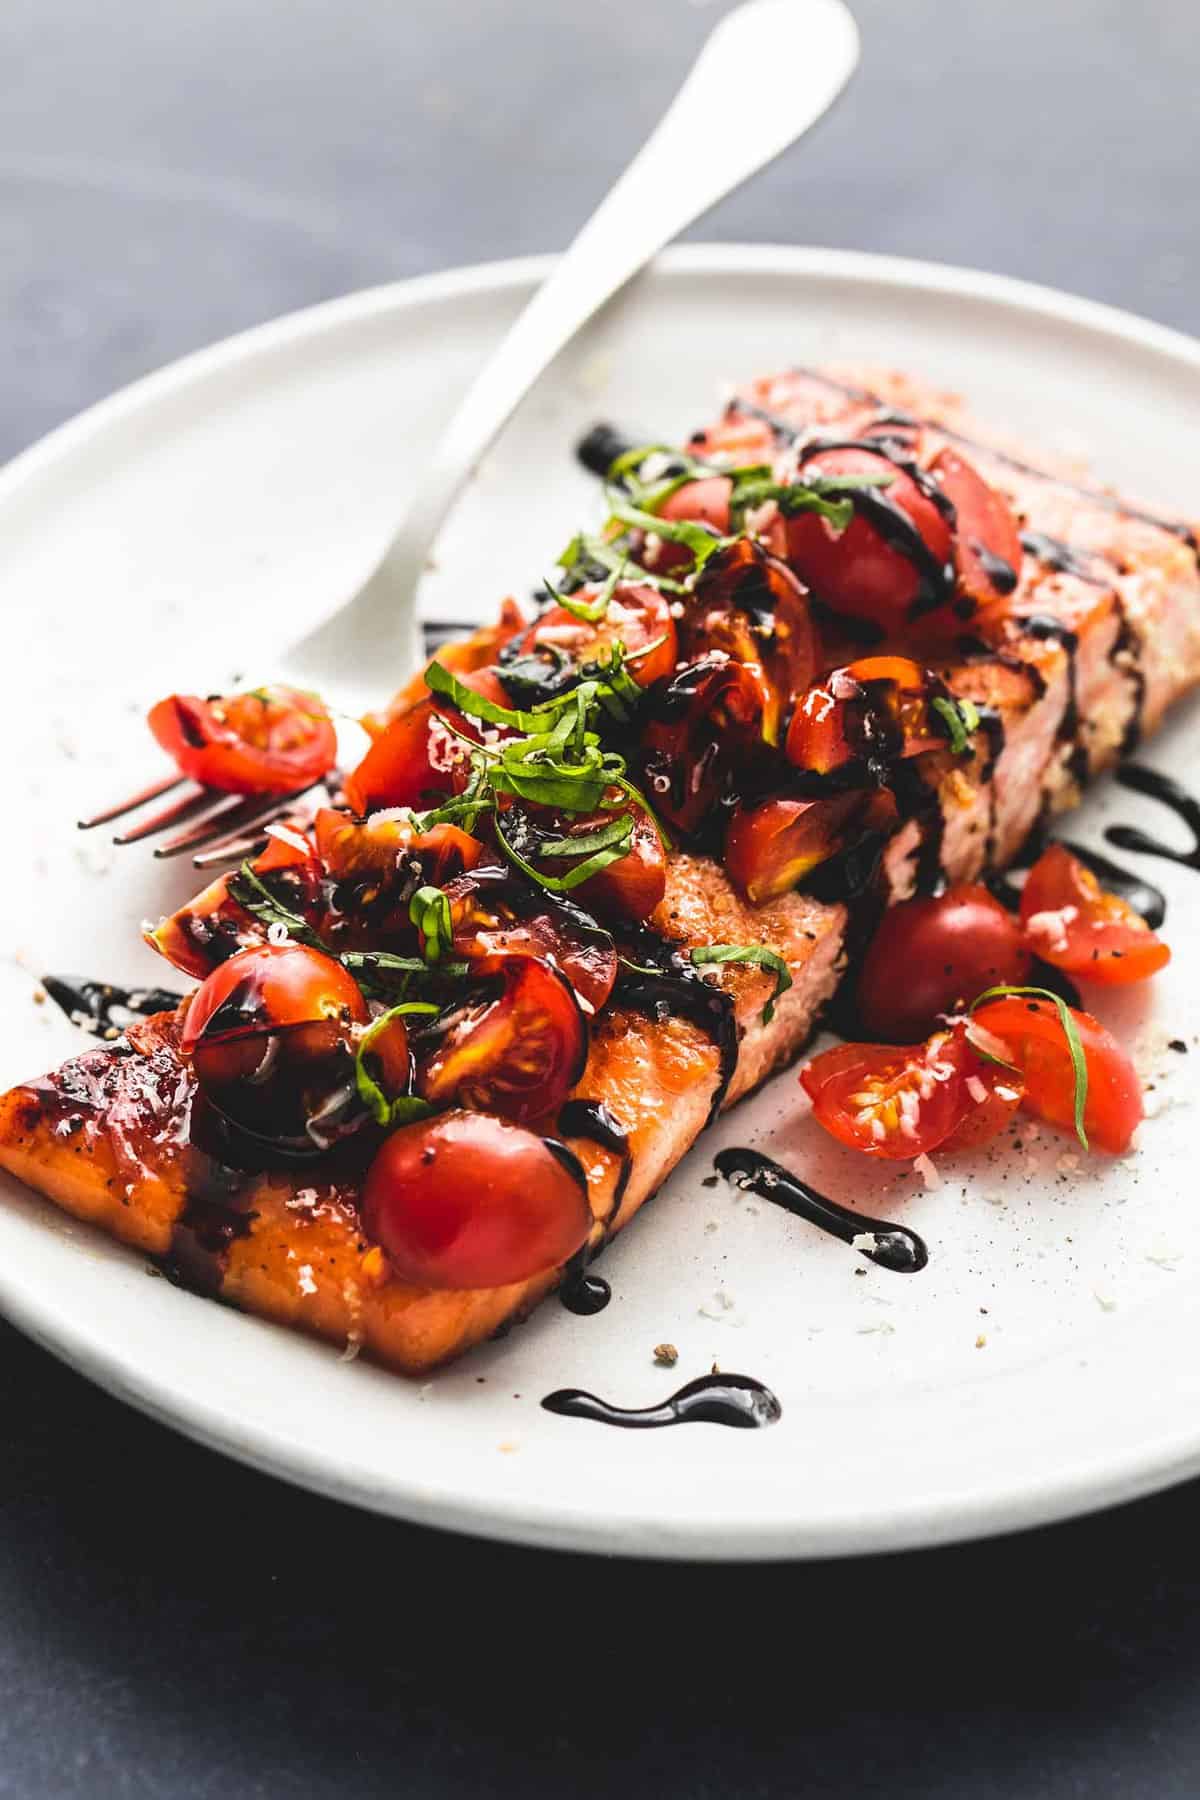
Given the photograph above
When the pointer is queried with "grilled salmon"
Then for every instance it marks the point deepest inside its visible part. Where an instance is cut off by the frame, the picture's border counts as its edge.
(1101, 634)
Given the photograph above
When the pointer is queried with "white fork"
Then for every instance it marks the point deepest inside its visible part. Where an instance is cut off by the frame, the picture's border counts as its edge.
(767, 72)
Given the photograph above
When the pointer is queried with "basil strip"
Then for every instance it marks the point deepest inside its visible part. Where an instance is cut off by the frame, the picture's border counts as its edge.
(429, 911)
(400, 1108)
(1066, 1019)
(960, 717)
(255, 897)
(750, 953)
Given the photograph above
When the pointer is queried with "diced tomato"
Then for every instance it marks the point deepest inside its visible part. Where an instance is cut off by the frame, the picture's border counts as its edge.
(748, 605)
(709, 725)
(462, 656)
(268, 741)
(987, 544)
(869, 571)
(466, 1201)
(213, 926)
(897, 1103)
(770, 848)
(494, 915)
(1033, 1033)
(1071, 922)
(935, 955)
(519, 1053)
(350, 848)
(630, 888)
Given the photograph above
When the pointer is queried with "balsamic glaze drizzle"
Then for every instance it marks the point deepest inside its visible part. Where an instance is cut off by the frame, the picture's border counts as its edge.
(103, 1009)
(1162, 788)
(1064, 560)
(661, 981)
(592, 1119)
(895, 1247)
(736, 1400)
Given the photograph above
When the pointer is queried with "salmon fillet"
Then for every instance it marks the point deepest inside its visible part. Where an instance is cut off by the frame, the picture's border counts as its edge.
(1104, 635)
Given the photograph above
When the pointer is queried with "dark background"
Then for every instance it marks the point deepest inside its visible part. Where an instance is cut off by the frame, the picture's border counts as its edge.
(172, 1624)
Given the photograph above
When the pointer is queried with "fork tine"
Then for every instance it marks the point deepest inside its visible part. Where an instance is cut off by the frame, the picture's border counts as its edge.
(199, 800)
(126, 806)
(231, 851)
(231, 822)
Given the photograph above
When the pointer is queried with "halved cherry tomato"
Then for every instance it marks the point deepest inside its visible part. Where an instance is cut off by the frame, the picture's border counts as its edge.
(1032, 1031)
(709, 725)
(630, 888)
(270, 1034)
(1072, 923)
(935, 955)
(898, 1102)
(748, 605)
(770, 848)
(466, 1201)
(519, 1053)
(263, 742)
(381, 847)
(874, 711)
(213, 926)
(882, 562)
(492, 914)
(706, 501)
(987, 544)
(416, 758)
(637, 615)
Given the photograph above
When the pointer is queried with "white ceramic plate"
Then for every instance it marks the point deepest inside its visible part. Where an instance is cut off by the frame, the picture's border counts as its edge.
(1043, 1364)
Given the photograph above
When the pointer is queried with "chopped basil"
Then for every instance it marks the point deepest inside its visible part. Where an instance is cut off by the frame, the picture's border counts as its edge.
(750, 953)
(960, 717)
(255, 897)
(388, 1109)
(429, 911)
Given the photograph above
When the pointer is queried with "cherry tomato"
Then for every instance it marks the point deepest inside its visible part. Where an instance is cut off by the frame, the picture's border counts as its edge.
(770, 848)
(213, 926)
(381, 847)
(935, 955)
(271, 1034)
(493, 914)
(706, 501)
(708, 727)
(899, 1102)
(637, 616)
(1033, 1034)
(518, 1053)
(987, 544)
(263, 742)
(270, 986)
(630, 888)
(736, 436)
(748, 605)
(874, 712)
(417, 758)
(860, 572)
(1072, 923)
(466, 1201)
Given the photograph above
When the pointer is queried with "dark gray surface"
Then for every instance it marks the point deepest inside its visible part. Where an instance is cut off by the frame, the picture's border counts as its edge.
(171, 1624)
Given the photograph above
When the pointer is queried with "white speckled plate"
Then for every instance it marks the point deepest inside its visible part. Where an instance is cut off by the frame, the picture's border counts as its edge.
(1043, 1364)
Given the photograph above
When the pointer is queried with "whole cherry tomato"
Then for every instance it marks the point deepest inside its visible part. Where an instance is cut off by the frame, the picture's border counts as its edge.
(935, 955)
(264, 742)
(1072, 923)
(466, 1201)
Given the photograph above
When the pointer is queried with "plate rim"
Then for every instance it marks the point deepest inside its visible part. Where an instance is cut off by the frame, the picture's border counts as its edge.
(1120, 1477)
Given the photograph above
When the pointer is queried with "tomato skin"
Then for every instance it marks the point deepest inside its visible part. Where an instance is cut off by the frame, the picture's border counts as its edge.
(262, 743)
(858, 572)
(415, 758)
(935, 955)
(268, 987)
(896, 1103)
(353, 847)
(466, 1201)
(637, 615)
(518, 1054)
(987, 544)
(705, 501)
(770, 848)
(1073, 924)
(1037, 1043)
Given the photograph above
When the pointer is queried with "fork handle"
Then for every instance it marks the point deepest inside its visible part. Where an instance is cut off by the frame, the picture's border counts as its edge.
(766, 73)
